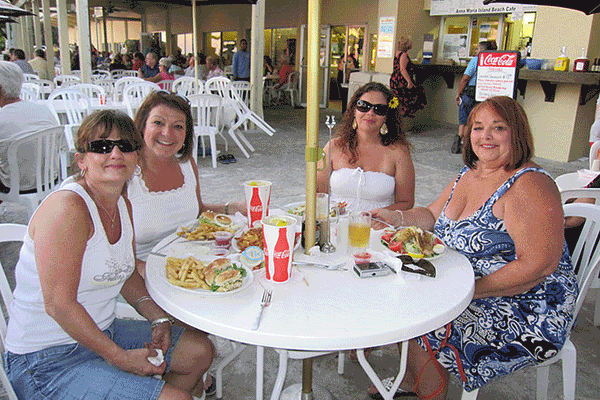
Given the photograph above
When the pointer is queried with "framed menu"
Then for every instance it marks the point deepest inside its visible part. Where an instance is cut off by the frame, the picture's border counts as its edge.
(497, 74)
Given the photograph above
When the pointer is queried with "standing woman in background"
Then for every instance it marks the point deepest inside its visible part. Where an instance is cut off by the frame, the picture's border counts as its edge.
(411, 97)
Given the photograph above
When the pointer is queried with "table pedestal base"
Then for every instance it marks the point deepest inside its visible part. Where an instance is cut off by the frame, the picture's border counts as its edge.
(294, 392)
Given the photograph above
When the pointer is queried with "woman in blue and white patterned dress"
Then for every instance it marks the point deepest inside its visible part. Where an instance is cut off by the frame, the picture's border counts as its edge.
(503, 212)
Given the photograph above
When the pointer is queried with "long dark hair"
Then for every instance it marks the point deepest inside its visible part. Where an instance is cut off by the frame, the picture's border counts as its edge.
(346, 136)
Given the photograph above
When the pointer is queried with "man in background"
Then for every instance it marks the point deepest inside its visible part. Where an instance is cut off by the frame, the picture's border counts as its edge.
(150, 68)
(39, 64)
(241, 63)
(19, 59)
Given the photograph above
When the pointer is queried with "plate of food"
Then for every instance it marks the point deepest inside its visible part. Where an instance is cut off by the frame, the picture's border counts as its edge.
(414, 242)
(207, 276)
(298, 208)
(203, 229)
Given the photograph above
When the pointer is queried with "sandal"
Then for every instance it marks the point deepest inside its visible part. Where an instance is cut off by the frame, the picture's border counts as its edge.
(212, 389)
(223, 159)
(388, 383)
(231, 158)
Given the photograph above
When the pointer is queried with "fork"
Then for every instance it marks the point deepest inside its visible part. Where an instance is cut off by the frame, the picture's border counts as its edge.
(265, 301)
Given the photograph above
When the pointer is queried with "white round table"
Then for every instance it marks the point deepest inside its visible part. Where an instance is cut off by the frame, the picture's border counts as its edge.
(332, 310)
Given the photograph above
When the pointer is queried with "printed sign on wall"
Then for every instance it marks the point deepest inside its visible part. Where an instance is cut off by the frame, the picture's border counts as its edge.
(385, 40)
(497, 74)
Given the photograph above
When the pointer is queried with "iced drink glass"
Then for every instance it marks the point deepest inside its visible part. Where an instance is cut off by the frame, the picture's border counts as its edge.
(279, 233)
(359, 230)
(258, 197)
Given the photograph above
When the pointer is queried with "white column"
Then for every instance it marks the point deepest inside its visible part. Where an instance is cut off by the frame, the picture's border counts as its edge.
(28, 25)
(257, 51)
(104, 29)
(48, 38)
(63, 37)
(37, 26)
(83, 27)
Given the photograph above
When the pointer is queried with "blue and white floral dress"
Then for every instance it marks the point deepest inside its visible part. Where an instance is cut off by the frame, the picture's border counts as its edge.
(495, 336)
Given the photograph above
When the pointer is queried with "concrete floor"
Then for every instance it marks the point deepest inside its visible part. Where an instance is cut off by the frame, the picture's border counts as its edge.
(280, 159)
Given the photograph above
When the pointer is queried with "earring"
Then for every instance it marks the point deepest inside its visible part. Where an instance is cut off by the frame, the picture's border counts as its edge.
(82, 173)
(137, 171)
(354, 124)
(383, 130)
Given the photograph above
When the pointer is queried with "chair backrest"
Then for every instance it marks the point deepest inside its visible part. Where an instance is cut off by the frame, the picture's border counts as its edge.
(91, 90)
(185, 86)
(76, 72)
(117, 73)
(218, 85)
(73, 103)
(36, 156)
(228, 70)
(121, 83)
(8, 233)
(594, 150)
(46, 87)
(66, 80)
(130, 73)
(580, 193)
(107, 84)
(135, 93)
(243, 89)
(30, 91)
(30, 77)
(209, 108)
(166, 84)
(101, 72)
(586, 256)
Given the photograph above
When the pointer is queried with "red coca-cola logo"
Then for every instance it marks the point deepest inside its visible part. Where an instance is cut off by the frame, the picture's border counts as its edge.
(256, 209)
(498, 60)
(282, 254)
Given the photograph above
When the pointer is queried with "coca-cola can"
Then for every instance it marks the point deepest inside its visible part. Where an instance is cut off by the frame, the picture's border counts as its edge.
(279, 233)
(258, 197)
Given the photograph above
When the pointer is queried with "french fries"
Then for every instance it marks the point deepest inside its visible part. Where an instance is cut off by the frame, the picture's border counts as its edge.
(187, 273)
(202, 232)
(252, 237)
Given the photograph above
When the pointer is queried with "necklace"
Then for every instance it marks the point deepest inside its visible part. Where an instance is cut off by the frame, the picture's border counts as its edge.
(113, 218)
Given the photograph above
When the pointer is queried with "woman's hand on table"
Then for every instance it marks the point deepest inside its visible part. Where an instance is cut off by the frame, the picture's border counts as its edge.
(391, 217)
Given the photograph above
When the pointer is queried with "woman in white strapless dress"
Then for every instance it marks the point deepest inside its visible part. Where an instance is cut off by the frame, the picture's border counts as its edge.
(370, 157)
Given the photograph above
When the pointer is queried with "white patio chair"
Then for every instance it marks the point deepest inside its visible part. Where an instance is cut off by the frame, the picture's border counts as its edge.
(74, 105)
(38, 153)
(120, 85)
(91, 90)
(30, 91)
(130, 73)
(104, 74)
(107, 84)
(586, 258)
(46, 87)
(244, 115)
(594, 152)
(65, 81)
(208, 123)
(166, 84)
(185, 86)
(243, 89)
(8, 233)
(290, 87)
(30, 77)
(218, 85)
(117, 73)
(228, 70)
(135, 93)
(57, 70)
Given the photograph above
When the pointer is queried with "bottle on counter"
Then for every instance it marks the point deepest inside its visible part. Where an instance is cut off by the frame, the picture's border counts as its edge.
(581, 64)
(562, 62)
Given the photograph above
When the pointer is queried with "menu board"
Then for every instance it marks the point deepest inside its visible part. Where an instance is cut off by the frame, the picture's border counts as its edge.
(497, 74)
(385, 40)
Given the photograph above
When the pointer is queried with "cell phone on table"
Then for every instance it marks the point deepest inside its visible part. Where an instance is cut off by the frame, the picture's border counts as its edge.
(371, 269)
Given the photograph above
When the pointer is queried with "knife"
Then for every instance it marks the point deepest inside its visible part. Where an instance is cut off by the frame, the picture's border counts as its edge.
(423, 267)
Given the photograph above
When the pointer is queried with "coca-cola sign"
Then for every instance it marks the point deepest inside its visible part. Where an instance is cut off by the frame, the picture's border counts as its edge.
(498, 60)
(497, 74)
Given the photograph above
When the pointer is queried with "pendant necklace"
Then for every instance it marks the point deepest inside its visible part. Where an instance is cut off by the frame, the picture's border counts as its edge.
(113, 218)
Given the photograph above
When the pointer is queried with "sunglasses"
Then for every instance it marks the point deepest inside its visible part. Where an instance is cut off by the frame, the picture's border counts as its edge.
(365, 106)
(104, 146)
(163, 93)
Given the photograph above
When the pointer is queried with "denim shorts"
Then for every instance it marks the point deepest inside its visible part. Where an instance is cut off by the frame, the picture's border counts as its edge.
(74, 372)
(466, 106)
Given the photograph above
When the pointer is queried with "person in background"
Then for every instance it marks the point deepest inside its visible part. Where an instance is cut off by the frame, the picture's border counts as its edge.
(241, 63)
(39, 64)
(202, 67)
(370, 155)
(138, 61)
(18, 118)
(63, 339)
(595, 128)
(285, 71)
(175, 68)
(150, 69)
(212, 63)
(268, 64)
(117, 63)
(525, 286)
(411, 97)
(465, 95)
(163, 65)
(127, 61)
(19, 59)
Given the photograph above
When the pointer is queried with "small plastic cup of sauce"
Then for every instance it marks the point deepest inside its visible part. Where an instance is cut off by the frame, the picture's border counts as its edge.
(223, 239)
(362, 257)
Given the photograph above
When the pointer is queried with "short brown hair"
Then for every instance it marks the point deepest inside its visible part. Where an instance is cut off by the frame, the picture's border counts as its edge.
(175, 102)
(521, 140)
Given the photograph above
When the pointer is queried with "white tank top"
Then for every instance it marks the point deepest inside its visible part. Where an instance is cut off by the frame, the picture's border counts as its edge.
(158, 214)
(362, 190)
(105, 268)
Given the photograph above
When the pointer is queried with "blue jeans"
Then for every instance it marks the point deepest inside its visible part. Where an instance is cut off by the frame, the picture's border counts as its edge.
(466, 106)
(73, 372)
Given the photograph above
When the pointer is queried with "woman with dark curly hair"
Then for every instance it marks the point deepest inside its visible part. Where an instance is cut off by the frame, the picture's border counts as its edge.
(370, 154)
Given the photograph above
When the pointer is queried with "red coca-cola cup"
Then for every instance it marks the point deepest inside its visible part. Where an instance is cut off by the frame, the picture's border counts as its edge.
(258, 197)
(279, 233)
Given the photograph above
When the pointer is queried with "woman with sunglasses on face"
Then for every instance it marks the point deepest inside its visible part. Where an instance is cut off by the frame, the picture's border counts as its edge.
(63, 338)
(370, 157)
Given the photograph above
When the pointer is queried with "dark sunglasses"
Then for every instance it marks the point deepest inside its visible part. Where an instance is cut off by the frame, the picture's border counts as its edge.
(365, 106)
(163, 92)
(105, 146)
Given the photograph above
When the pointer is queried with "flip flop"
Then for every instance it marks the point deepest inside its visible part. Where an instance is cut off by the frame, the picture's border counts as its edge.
(231, 158)
(400, 393)
(223, 159)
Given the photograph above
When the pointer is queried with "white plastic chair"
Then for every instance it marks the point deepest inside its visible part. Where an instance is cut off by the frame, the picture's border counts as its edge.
(30, 91)
(218, 85)
(65, 81)
(166, 84)
(594, 150)
(135, 93)
(117, 73)
(102, 73)
(586, 257)
(130, 73)
(46, 87)
(228, 70)
(291, 87)
(38, 153)
(8, 233)
(243, 89)
(244, 115)
(91, 90)
(185, 86)
(30, 77)
(208, 123)
(121, 83)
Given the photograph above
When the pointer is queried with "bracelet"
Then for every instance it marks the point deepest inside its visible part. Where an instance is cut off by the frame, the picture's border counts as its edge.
(227, 208)
(402, 215)
(159, 321)
(142, 299)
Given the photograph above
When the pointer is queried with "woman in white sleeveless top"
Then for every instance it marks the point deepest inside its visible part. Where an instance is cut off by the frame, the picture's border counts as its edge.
(370, 157)
(63, 339)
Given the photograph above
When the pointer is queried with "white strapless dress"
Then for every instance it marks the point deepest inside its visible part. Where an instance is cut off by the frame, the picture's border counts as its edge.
(362, 190)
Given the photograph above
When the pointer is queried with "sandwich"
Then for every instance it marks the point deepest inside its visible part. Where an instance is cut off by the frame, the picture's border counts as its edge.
(223, 276)
(208, 218)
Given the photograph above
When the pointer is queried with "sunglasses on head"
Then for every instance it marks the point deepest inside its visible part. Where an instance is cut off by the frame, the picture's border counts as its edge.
(365, 106)
(105, 146)
(163, 92)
